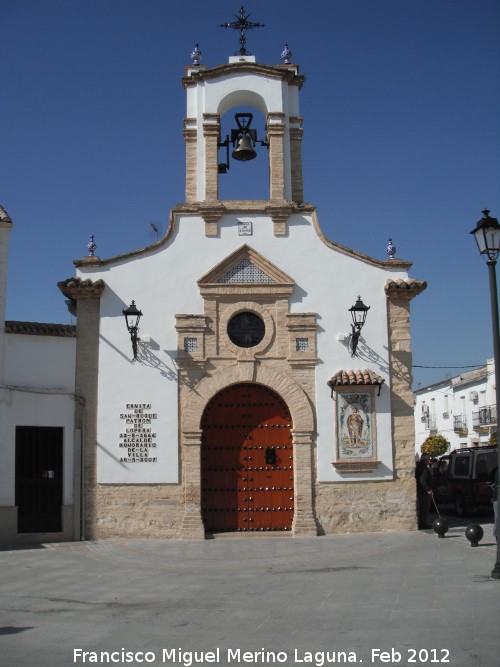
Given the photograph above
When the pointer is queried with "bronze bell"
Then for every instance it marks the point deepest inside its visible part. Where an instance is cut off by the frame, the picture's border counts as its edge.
(244, 150)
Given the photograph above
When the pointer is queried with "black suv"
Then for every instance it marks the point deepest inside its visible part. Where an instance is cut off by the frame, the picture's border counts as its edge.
(465, 476)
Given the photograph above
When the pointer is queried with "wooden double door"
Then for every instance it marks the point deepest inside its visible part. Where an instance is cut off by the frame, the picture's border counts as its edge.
(247, 461)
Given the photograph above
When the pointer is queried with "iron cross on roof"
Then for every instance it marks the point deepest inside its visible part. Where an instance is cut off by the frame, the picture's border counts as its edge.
(242, 24)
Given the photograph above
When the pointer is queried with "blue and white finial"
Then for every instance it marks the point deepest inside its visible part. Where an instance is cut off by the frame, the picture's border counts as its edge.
(286, 54)
(196, 55)
(391, 250)
(91, 246)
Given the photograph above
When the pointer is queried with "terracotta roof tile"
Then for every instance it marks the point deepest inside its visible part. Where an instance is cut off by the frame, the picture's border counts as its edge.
(76, 288)
(40, 329)
(356, 377)
(409, 286)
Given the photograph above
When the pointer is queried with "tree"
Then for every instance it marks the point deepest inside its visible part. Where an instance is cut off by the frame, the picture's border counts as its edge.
(493, 439)
(435, 445)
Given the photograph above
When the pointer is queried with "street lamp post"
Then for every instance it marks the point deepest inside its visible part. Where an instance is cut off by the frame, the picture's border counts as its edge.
(487, 235)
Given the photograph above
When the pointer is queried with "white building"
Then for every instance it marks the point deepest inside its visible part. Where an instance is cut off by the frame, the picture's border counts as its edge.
(461, 409)
(37, 422)
(245, 408)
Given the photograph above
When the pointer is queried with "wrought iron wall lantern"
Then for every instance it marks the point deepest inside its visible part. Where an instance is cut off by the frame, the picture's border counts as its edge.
(132, 317)
(243, 139)
(358, 312)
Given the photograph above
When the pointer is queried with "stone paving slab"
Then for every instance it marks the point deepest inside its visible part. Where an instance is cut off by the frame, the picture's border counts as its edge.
(415, 598)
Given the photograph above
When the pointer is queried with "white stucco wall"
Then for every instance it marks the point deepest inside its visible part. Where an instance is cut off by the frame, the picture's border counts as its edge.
(40, 361)
(38, 391)
(162, 281)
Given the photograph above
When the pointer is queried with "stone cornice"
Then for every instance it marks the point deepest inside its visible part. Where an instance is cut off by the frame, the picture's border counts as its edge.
(355, 466)
(251, 290)
(78, 289)
(404, 289)
(284, 72)
(243, 206)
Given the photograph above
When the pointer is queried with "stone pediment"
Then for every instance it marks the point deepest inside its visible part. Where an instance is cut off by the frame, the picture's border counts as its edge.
(246, 269)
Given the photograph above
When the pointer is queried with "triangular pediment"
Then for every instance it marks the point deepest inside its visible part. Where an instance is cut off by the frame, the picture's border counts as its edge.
(246, 266)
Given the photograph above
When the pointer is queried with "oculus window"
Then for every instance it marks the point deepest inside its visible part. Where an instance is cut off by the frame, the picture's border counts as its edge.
(246, 329)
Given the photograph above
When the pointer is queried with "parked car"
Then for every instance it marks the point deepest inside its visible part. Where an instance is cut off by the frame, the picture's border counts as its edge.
(464, 478)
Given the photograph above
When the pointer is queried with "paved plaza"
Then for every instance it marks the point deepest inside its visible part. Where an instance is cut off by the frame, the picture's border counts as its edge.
(384, 598)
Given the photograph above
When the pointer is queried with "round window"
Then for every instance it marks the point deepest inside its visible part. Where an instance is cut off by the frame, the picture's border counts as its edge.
(246, 329)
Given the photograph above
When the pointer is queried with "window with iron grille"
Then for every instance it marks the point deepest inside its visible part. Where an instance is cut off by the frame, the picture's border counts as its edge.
(190, 344)
(302, 344)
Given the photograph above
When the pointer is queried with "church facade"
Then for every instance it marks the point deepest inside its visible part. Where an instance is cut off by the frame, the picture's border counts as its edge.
(239, 402)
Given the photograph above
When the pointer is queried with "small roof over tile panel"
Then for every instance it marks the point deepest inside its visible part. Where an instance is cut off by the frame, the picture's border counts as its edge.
(40, 329)
(356, 377)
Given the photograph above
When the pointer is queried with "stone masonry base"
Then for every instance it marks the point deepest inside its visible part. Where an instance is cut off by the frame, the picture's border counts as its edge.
(157, 511)
(136, 511)
(366, 507)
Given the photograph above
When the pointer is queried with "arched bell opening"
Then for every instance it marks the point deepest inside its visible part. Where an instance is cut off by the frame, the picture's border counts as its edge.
(247, 476)
(243, 156)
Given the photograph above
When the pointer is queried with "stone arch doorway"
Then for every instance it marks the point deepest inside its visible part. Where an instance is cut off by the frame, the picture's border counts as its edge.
(247, 476)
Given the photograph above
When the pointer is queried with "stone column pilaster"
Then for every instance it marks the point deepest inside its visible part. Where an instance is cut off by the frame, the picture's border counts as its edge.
(276, 136)
(296, 159)
(279, 214)
(190, 140)
(87, 296)
(211, 214)
(399, 294)
(211, 133)
(192, 524)
(303, 521)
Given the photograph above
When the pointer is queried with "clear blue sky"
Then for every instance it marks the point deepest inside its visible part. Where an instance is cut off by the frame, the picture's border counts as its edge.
(401, 112)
